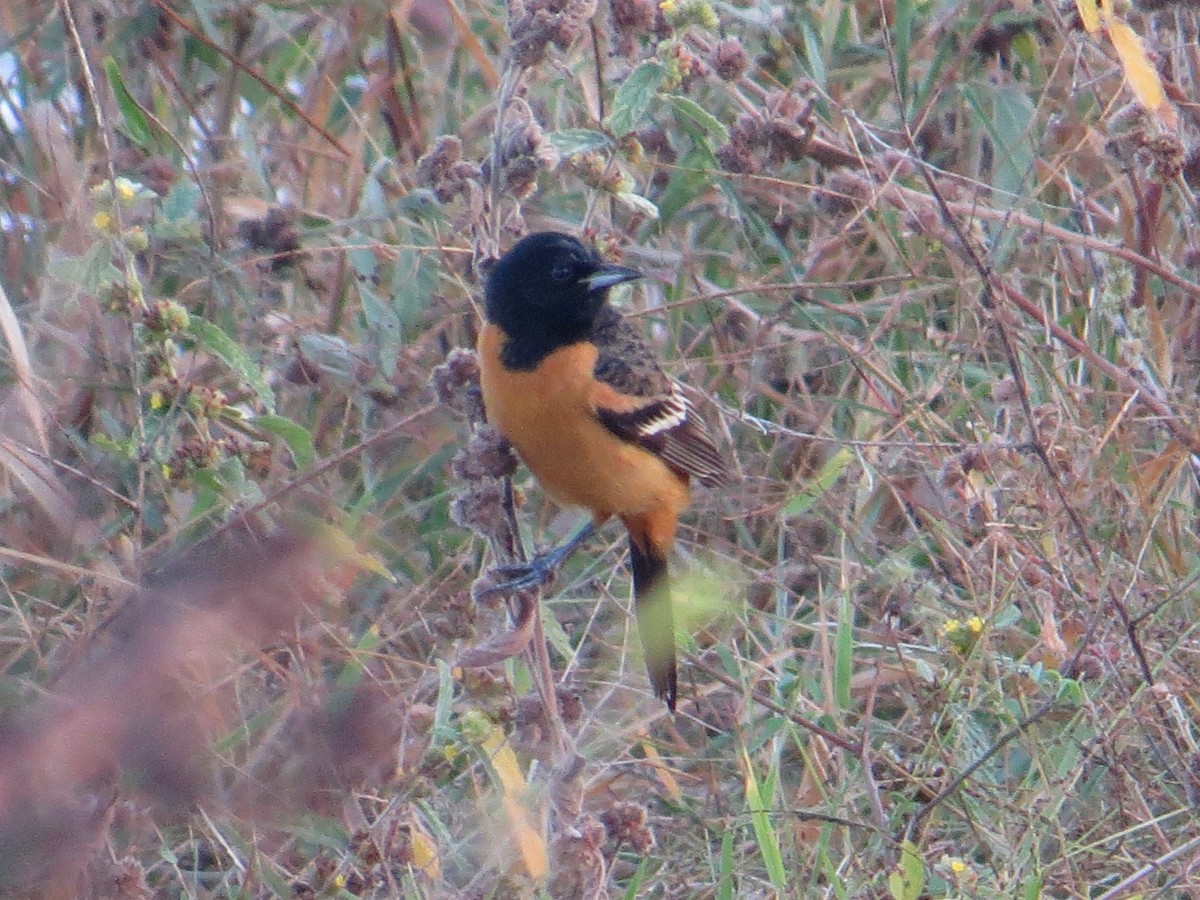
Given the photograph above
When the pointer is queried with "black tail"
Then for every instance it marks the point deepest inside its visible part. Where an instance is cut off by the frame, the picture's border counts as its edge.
(652, 600)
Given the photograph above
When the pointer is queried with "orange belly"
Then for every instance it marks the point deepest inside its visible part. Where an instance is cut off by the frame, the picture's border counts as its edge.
(550, 420)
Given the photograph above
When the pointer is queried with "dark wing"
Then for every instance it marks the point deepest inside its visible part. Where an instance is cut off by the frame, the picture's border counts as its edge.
(639, 404)
(668, 427)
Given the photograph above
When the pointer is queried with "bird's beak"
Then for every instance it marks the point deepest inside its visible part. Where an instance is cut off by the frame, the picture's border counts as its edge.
(608, 275)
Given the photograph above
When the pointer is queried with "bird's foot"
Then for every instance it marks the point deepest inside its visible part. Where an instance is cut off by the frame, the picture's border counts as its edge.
(522, 576)
(536, 572)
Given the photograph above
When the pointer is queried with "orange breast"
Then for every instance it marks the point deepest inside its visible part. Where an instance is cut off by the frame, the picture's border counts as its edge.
(548, 416)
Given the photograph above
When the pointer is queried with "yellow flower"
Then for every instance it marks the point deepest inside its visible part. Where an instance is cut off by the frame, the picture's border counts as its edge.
(126, 190)
(157, 401)
(960, 635)
(668, 6)
(957, 866)
(102, 221)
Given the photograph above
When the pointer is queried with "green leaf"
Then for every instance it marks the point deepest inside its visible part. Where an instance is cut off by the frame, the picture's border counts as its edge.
(331, 356)
(245, 730)
(637, 203)
(124, 449)
(572, 141)
(691, 111)
(693, 175)
(812, 54)
(414, 280)
(383, 326)
(364, 649)
(844, 651)
(1071, 691)
(176, 231)
(1012, 114)
(633, 97)
(137, 126)
(89, 273)
(725, 883)
(557, 637)
(319, 830)
(823, 481)
(907, 882)
(207, 491)
(180, 201)
(296, 436)
(179, 221)
(372, 201)
(440, 729)
(635, 884)
(764, 831)
(365, 263)
(225, 348)
(420, 205)
(205, 11)
(905, 16)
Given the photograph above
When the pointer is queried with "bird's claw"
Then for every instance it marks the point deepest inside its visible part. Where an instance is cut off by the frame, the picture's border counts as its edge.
(536, 572)
(511, 577)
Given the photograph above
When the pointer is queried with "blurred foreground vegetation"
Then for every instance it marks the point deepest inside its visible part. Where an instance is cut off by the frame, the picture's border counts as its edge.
(932, 269)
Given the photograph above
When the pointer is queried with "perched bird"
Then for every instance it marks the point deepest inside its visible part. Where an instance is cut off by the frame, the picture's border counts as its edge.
(583, 400)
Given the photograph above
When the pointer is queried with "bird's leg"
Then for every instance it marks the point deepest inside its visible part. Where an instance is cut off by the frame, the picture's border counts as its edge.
(540, 569)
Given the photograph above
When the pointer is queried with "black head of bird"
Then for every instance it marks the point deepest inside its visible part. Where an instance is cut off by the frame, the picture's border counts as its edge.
(554, 280)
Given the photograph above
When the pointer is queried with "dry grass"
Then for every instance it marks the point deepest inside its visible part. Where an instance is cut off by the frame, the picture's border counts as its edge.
(934, 267)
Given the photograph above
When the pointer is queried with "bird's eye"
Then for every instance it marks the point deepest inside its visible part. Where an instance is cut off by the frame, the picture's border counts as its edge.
(562, 271)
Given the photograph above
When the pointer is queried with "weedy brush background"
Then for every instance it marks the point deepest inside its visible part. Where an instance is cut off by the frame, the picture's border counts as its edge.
(934, 266)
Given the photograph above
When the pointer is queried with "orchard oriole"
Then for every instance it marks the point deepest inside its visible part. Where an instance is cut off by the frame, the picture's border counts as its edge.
(572, 386)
